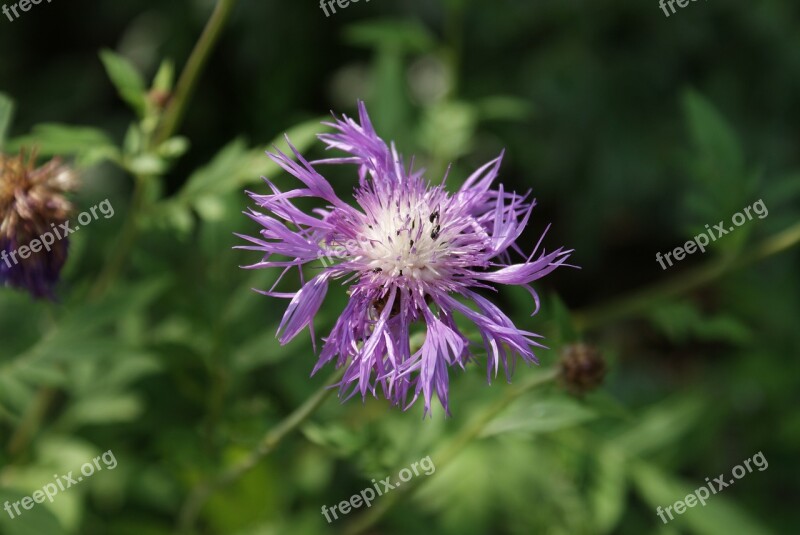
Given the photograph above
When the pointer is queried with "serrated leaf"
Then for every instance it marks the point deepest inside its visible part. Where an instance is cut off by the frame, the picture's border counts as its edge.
(129, 83)
(540, 416)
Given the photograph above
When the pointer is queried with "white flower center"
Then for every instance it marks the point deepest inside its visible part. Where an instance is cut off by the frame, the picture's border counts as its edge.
(405, 243)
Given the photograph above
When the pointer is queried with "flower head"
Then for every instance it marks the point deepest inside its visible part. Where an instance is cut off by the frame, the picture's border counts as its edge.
(32, 202)
(414, 256)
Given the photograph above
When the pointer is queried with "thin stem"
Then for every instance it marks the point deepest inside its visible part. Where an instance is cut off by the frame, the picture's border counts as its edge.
(31, 421)
(201, 494)
(124, 244)
(194, 67)
(685, 282)
(448, 453)
(169, 124)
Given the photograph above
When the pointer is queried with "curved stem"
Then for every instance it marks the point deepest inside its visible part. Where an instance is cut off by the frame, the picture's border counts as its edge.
(448, 453)
(169, 124)
(201, 494)
(685, 282)
(194, 67)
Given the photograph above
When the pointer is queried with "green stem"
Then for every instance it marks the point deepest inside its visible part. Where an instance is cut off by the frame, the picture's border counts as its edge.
(200, 495)
(194, 67)
(448, 453)
(169, 124)
(687, 281)
(125, 243)
(31, 422)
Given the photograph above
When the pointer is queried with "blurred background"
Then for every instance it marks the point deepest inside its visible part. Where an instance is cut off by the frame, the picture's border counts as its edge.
(633, 130)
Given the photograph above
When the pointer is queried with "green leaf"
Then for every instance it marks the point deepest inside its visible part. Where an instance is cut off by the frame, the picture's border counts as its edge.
(103, 410)
(397, 34)
(37, 521)
(126, 79)
(448, 129)
(88, 144)
(147, 165)
(6, 114)
(173, 147)
(607, 493)
(661, 426)
(236, 166)
(165, 76)
(720, 184)
(681, 321)
(540, 416)
(711, 134)
(260, 351)
(504, 108)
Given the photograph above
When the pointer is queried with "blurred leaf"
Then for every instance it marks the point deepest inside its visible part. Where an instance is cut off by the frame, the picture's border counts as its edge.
(397, 34)
(102, 410)
(173, 147)
(720, 184)
(335, 437)
(236, 166)
(717, 517)
(165, 76)
(6, 115)
(448, 129)
(660, 426)
(37, 521)
(681, 321)
(88, 144)
(540, 416)
(504, 108)
(260, 351)
(126, 79)
(713, 137)
(147, 165)
(607, 493)
(14, 391)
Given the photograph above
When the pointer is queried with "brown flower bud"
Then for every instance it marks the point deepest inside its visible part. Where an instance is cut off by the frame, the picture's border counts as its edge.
(582, 368)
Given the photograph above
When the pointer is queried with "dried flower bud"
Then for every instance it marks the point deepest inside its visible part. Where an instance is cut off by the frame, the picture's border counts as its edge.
(582, 368)
(32, 205)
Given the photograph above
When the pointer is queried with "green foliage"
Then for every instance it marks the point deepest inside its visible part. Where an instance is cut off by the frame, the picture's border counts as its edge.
(170, 359)
(127, 80)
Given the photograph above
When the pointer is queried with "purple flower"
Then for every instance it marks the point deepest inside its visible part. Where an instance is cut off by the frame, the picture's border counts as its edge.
(32, 203)
(414, 256)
